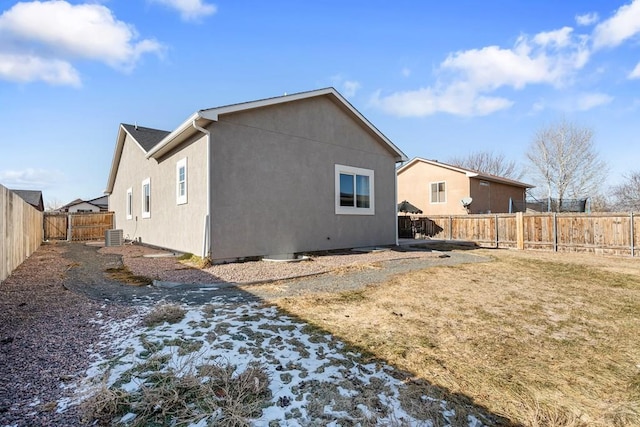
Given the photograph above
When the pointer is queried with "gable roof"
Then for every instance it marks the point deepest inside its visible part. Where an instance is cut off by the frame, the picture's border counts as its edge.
(147, 138)
(468, 172)
(33, 197)
(159, 143)
(186, 129)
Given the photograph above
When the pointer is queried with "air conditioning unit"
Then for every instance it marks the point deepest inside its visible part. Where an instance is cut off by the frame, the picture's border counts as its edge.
(113, 238)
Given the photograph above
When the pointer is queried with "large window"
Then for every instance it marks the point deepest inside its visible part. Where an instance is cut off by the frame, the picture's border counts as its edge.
(181, 182)
(354, 190)
(438, 192)
(146, 198)
(130, 203)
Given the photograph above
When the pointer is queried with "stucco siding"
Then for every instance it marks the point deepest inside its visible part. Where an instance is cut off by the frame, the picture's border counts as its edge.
(414, 186)
(493, 197)
(171, 225)
(274, 181)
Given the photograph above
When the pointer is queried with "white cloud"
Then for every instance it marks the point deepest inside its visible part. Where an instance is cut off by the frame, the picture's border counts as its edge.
(30, 179)
(559, 38)
(190, 10)
(587, 101)
(624, 24)
(466, 79)
(350, 87)
(406, 72)
(635, 74)
(27, 68)
(456, 99)
(587, 19)
(56, 32)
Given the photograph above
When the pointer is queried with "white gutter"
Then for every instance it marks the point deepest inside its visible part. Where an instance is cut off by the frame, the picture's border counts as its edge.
(206, 238)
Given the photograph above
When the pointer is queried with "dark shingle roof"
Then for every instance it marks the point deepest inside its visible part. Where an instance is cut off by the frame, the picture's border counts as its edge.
(146, 137)
(33, 197)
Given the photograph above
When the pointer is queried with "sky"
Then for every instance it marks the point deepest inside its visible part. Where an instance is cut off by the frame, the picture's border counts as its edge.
(439, 79)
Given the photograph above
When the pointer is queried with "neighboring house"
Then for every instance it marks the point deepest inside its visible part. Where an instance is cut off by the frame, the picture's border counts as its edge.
(441, 189)
(33, 197)
(99, 204)
(285, 175)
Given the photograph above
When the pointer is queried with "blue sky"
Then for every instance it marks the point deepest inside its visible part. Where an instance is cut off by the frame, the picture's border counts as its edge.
(440, 79)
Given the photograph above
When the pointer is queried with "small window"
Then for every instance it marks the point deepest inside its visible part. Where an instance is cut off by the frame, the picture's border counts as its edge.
(130, 203)
(146, 198)
(354, 190)
(438, 192)
(181, 182)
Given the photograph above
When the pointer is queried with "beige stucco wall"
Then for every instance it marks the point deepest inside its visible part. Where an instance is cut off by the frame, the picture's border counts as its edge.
(414, 185)
(174, 226)
(493, 197)
(274, 181)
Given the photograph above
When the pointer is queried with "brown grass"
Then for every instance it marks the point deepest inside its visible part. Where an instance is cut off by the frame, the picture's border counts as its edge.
(169, 313)
(541, 339)
(124, 275)
(217, 393)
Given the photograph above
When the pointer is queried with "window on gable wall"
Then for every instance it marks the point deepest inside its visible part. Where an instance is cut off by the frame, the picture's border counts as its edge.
(354, 191)
(146, 198)
(130, 203)
(181, 181)
(438, 192)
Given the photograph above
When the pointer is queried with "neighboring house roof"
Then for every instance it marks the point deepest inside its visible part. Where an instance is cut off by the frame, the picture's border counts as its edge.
(156, 144)
(468, 172)
(99, 202)
(33, 197)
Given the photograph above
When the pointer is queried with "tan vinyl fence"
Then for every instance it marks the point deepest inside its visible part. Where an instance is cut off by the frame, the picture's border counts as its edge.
(77, 226)
(604, 233)
(20, 231)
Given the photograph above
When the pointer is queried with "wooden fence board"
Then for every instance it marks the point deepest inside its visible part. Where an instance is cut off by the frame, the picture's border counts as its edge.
(20, 231)
(77, 226)
(605, 233)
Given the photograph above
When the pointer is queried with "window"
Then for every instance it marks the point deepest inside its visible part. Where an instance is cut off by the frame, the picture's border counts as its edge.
(146, 198)
(354, 191)
(438, 192)
(181, 182)
(129, 203)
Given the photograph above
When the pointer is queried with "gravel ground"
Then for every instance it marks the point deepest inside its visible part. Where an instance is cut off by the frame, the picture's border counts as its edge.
(49, 305)
(46, 334)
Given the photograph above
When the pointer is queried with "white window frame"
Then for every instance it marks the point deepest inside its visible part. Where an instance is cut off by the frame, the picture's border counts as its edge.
(129, 203)
(354, 210)
(147, 213)
(181, 199)
(431, 192)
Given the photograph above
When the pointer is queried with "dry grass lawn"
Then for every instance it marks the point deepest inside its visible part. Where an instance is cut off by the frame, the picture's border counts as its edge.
(541, 339)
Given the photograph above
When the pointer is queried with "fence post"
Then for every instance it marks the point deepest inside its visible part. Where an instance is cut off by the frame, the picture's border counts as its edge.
(555, 232)
(497, 239)
(520, 230)
(633, 234)
(69, 219)
(450, 228)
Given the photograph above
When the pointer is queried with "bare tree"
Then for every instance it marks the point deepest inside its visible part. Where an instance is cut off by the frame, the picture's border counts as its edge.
(489, 163)
(626, 196)
(565, 162)
(53, 204)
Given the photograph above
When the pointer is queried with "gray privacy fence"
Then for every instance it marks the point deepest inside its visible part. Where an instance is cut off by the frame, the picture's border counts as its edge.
(20, 231)
(605, 233)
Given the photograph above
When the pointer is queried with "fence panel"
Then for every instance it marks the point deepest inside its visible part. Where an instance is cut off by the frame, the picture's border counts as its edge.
(77, 226)
(20, 231)
(55, 226)
(90, 226)
(604, 233)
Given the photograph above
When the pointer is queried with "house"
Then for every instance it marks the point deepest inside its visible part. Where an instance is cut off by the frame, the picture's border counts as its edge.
(99, 204)
(437, 188)
(285, 175)
(33, 197)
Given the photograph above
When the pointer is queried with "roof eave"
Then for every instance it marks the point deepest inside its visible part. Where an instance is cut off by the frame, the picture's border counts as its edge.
(175, 138)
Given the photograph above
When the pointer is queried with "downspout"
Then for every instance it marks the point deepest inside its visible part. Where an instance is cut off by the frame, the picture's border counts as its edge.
(206, 238)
